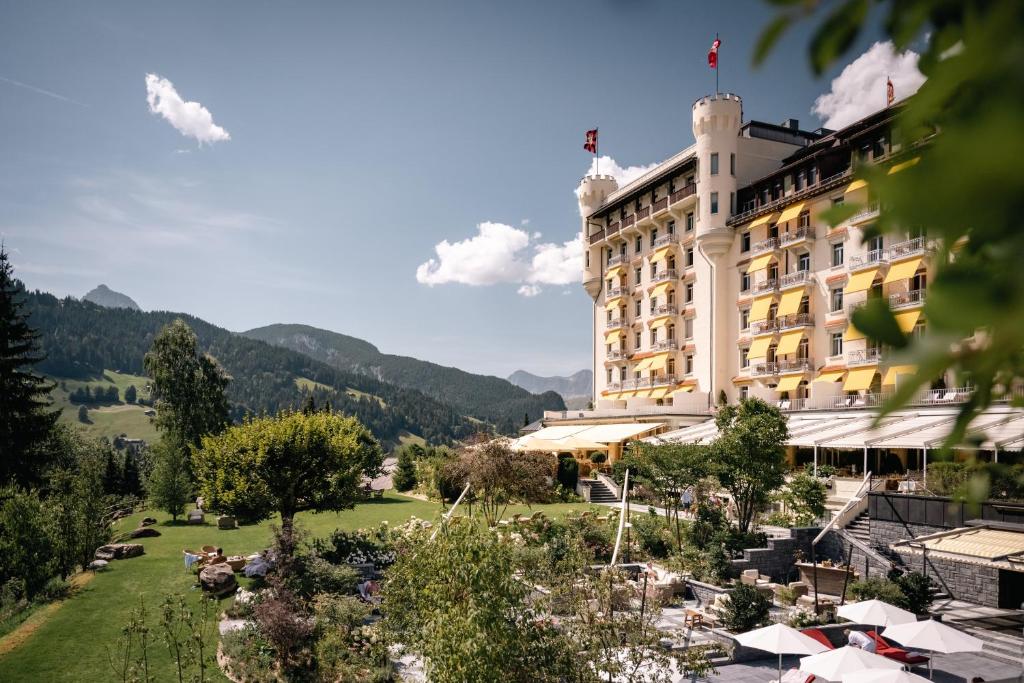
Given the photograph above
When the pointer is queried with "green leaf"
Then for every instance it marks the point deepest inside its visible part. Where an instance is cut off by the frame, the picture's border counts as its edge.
(840, 212)
(769, 36)
(877, 322)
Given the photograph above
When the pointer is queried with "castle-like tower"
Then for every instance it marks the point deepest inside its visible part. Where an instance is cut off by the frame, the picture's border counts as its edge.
(593, 191)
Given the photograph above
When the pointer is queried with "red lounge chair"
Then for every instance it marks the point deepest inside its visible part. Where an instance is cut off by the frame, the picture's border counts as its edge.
(819, 636)
(892, 652)
(797, 676)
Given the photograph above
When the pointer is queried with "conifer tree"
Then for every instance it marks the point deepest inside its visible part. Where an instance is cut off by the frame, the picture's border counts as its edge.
(25, 417)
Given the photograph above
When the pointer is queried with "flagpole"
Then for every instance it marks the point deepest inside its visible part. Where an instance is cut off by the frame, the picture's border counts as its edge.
(597, 159)
(718, 64)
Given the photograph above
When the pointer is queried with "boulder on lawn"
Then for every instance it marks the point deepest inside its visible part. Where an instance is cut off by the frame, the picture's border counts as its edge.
(148, 521)
(226, 522)
(218, 579)
(98, 565)
(144, 532)
(118, 551)
(196, 517)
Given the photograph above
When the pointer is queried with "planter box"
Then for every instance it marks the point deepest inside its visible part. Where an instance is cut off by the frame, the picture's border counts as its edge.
(830, 579)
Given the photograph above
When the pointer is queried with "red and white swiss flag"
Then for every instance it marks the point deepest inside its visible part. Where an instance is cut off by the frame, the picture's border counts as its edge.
(713, 54)
(591, 144)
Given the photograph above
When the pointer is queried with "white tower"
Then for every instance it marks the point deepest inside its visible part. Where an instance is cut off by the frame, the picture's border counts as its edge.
(716, 126)
(592, 192)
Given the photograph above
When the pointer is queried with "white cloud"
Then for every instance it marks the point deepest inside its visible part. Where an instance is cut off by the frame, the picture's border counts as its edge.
(502, 254)
(860, 89)
(623, 176)
(191, 119)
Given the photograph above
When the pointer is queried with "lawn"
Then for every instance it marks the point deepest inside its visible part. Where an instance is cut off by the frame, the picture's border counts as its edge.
(72, 641)
(107, 420)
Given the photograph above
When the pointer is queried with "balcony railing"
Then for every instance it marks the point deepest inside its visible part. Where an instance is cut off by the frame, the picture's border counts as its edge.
(597, 237)
(765, 245)
(914, 297)
(639, 383)
(618, 260)
(662, 380)
(769, 285)
(764, 369)
(615, 324)
(796, 236)
(665, 239)
(613, 228)
(665, 345)
(667, 274)
(797, 279)
(872, 258)
(792, 403)
(683, 193)
(629, 220)
(763, 326)
(660, 205)
(617, 354)
(867, 213)
(663, 309)
(864, 357)
(909, 248)
(616, 292)
(820, 186)
(795, 365)
(614, 386)
(785, 322)
(857, 401)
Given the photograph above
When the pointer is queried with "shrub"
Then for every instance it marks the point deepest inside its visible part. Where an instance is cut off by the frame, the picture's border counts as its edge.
(709, 564)
(785, 595)
(652, 534)
(778, 518)
(598, 457)
(26, 547)
(568, 472)
(945, 477)
(357, 547)
(826, 471)
(874, 588)
(747, 609)
(280, 618)
(250, 655)
(803, 619)
(917, 591)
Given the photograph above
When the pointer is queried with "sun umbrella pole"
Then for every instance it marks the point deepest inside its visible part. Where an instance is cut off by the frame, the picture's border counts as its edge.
(622, 519)
(448, 514)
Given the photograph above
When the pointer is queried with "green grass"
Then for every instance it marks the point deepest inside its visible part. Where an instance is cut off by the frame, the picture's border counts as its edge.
(71, 643)
(112, 420)
(307, 384)
(356, 394)
(406, 438)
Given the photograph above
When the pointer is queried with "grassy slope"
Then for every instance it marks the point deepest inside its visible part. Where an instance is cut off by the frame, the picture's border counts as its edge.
(108, 421)
(71, 644)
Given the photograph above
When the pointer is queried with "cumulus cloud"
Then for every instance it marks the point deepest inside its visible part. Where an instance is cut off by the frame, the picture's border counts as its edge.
(860, 89)
(623, 175)
(502, 254)
(191, 119)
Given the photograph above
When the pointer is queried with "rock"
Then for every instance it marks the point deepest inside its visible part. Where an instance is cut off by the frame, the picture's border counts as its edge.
(98, 565)
(196, 517)
(148, 521)
(218, 579)
(144, 532)
(119, 551)
(226, 522)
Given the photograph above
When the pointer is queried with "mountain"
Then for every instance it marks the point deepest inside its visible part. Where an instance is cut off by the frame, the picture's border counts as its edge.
(578, 384)
(483, 397)
(82, 340)
(108, 298)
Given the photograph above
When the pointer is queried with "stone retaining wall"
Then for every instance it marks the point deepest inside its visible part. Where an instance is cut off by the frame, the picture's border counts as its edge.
(777, 559)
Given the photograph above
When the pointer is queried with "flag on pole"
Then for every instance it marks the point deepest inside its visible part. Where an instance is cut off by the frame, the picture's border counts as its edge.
(713, 54)
(890, 92)
(591, 144)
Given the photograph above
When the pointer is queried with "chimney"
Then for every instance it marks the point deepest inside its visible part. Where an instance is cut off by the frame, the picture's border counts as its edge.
(792, 124)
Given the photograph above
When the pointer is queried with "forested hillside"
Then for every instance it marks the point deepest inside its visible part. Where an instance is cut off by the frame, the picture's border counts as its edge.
(82, 339)
(487, 398)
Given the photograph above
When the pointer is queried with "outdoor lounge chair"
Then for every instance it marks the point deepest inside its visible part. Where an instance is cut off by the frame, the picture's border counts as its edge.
(796, 676)
(819, 636)
(883, 648)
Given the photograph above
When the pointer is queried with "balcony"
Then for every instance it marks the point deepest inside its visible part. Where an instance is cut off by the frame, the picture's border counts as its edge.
(643, 213)
(663, 309)
(868, 213)
(597, 237)
(798, 235)
(800, 278)
(865, 357)
(764, 369)
(914, 297)
(618, 260)
(639, 383)
(820, 186)
(770, 244)
(759, 327)
(613, 228)
(872, 259)
(769, 285)
(791, 404)
(665, 345)
(614, 386)
(628, 221)
(680, 195)
(911, 247)
(664, 240)
(662, 276)
(796, 365)
(662, 380)
(615, 324)
(617, 354)
(615, 292)
(659, 206)
(786, 322)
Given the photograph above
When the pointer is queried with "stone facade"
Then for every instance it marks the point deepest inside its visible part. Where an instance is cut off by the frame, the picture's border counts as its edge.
(964, 580)
(776, 561)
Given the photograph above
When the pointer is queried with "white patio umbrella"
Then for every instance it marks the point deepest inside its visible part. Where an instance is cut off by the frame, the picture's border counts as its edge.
(835, 664)
(934, 636)
(883, 676)
(875, 613)
(781, 640)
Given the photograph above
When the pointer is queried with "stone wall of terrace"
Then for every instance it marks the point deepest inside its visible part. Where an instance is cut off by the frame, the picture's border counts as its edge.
(776, 560)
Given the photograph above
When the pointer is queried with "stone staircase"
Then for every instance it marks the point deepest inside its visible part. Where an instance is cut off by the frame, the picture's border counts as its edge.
(599, 493)
(999, 645)
(860, 528)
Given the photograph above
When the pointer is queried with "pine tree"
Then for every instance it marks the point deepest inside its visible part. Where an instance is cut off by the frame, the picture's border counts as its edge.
(112, 474)
(130, 394)
(170, 484)
(131, 482)
(404, 477)
(25, 421)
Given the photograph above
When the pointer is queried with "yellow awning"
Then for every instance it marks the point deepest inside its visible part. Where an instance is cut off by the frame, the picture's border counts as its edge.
(759, 310)
(789, 383)
(683, 390)
(791, 212)
(789, 341)
(613, 304)
(859, 379)
(615, 271)
(660, 322)
(860, 281)
(613, 335)
(644, 364)
(902, 270)
(895, 371)
(855, 185)
(759, 347)
(907, 320)
(614, 396)
(642, 393)
(759, 262)
(626, 394)
(904, 165)
(852, 333)
(830, 376)
(661, 288)
(660, 393)
(790, 302)
(659, 362)
(767, 218)
(661, 253)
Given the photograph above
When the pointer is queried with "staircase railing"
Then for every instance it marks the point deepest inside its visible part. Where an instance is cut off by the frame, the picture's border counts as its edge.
(856, 505)
(876, 556)
(610, 484)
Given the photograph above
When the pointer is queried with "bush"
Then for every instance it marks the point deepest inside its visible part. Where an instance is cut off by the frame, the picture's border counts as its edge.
(879, 589)
(917, 591)
(652, 534)
(357, 547)
(785, 595)
(709, 564)
(826, 471)
(598, 457)
(747, 609)
(568, 472)
(26, 547)
(944, 478)
(250, 655)
(778, 518)
(803, 619)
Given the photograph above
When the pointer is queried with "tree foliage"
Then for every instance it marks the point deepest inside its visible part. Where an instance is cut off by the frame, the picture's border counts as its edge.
(404, 476)
(286, 464)
(748, 455)
(497, 476)
(26, 551)
(169, 485)
(804, 497)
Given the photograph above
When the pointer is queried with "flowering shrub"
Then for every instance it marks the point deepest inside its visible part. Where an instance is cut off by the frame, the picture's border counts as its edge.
(363, 546)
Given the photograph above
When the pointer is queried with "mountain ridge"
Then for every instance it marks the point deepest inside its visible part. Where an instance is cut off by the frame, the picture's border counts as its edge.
(108, 298)
(576, 385)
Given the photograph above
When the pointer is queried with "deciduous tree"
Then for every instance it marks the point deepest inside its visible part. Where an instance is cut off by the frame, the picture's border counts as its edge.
(498, 476)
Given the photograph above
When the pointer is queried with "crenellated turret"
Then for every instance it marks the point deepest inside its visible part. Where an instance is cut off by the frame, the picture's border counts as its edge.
(592, 193)
(716, 126)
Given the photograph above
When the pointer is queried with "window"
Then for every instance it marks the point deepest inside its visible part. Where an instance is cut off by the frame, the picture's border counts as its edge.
(623, 374)
(609, 316)
(919, 281)
(836, 302)
(732, 164)
(689, 222)
(671, 227)
(836, 344)
(837, 254)
(637, 304)
(837, 201)
(744, 282)
(714, 202)
(638, 245)
(654, 304)
(803, 349)
(732, 203)
(800, 180)
(689, 257)
(671, 333)
(812, 175)
(803, 262)
(744, 392)
(611, 283)
(875, 243)
(586, 255)
(773, 271)
(654, 270)
(636, 341)
(714, 163)
(689, 180)
(689, 364)
(689, 293)
(804, 219)
(609, 375)
(637, 274)
(745, 242)
(671, 369)
(654, 236)
(805, 306)
(744, 318)
(744, 358)
(688, 328)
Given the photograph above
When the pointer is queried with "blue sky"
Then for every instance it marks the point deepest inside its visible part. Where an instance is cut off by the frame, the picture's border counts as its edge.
(362, 135)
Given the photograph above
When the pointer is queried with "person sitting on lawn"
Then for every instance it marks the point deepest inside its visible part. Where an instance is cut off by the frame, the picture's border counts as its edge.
(860, 640)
